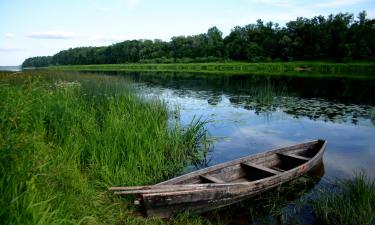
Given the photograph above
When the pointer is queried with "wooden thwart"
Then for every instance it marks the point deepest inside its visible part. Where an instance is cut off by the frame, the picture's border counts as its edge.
(293, 156)
(278, 169)
(260, 167)
(212, 179)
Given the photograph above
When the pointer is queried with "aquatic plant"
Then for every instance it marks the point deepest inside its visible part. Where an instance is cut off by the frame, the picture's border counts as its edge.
(346, 201)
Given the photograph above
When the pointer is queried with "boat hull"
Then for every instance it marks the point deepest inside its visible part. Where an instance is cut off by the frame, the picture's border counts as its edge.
(163, 205)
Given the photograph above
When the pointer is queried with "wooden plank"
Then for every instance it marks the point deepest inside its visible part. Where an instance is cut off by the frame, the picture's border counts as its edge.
(278, 169)
(260, 167)
(243, 179)
(212, 179)
(298, 157)
(172, 188)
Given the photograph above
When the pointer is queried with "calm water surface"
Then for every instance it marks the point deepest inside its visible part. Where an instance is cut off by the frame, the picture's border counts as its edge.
(10, 68)
(257, 113)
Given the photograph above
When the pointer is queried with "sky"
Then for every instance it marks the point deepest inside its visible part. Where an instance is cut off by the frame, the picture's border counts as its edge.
(44, 27)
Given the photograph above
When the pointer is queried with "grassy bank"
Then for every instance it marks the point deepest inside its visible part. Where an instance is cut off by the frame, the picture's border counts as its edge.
(63, 143)
(315, 69)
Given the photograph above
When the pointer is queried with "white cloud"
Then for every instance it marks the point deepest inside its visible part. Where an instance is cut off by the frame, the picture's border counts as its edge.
(9, 49)
(70, 35)
(260, 134)
(51, 35)
(9, 35)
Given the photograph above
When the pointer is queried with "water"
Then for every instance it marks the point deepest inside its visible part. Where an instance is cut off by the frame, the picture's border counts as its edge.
(10, 68)
(256, 113)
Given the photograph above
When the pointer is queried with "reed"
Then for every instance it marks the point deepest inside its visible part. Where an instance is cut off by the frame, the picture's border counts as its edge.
(64, 141)
(346, 201)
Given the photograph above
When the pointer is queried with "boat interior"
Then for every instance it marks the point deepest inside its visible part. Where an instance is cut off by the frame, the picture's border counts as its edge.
(256, 167)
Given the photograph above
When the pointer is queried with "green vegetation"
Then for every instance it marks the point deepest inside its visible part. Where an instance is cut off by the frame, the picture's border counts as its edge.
(346, 202)
(338, 38)
(64, 142)
(307, 69)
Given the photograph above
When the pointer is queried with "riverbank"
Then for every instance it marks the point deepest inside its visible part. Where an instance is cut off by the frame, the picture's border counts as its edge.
(302, 68)
(65, 139)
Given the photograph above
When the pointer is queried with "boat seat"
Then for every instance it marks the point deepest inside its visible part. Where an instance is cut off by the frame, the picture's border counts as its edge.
(278, 169)
(260, 168)
(211, 179)
(295, 157)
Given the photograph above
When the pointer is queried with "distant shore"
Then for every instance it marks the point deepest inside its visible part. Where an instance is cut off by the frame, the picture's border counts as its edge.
(298, 68)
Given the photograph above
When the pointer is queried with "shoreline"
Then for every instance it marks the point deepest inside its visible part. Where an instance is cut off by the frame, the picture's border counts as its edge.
(359, 70)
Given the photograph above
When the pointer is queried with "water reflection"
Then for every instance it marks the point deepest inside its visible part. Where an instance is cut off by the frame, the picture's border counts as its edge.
(336, 100)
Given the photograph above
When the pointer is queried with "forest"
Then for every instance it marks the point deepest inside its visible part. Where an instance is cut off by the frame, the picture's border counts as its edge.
(339, 38)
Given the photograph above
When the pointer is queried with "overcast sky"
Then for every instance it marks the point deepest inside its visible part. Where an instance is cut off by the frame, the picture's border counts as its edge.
(44, 27)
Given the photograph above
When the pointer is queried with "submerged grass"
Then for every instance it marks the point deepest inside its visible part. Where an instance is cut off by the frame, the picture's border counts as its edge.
(347, 201)
(63, 143)
(342, 202)
(303, 68)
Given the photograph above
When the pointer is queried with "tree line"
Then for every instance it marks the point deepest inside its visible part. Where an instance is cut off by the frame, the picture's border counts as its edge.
(340, 37)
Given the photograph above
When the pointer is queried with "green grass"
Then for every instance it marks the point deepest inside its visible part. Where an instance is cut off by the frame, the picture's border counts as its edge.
(303, 68)
(64, 142)
(347, 201)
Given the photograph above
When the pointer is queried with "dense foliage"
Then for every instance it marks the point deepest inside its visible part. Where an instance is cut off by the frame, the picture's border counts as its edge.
(338, 37)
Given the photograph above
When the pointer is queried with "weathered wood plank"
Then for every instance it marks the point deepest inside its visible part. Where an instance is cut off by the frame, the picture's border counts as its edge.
(173, 188)
(298, 156)
(212, 179)
(278, 169)
(260, 167)
(293, 156)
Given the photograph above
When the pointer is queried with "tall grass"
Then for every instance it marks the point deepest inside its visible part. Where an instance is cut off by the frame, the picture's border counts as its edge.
(63, 143)
(347, 201)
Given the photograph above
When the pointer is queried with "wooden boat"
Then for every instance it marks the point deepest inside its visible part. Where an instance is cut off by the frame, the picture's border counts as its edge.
(228, 182)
